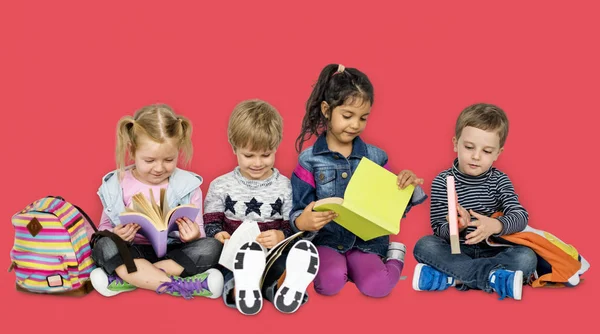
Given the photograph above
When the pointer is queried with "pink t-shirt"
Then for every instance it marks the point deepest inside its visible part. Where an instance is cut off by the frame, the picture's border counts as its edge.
(131, 186)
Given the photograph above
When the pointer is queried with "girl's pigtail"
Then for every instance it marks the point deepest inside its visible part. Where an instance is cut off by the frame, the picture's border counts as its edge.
(125, 137)
(186, 146)
(314, 120)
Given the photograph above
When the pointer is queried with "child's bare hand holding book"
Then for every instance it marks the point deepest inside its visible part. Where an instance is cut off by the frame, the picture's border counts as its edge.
(464, 218)
(310, 220)
(406, 178)
(222, 236)
(270, 238)
(188, 230)
(126, 231)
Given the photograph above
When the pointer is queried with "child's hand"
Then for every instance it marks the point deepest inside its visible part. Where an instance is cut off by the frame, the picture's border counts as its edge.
(222, 236)
(464, 218)
(188, 230)
(486, 226)
(313, 221)
(126, 231)
(270, 238)
(406, 178)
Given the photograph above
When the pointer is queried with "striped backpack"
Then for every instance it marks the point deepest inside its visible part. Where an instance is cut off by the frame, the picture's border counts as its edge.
(51, 252)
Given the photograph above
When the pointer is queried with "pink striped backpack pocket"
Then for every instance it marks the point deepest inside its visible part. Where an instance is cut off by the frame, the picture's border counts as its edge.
(51, 252)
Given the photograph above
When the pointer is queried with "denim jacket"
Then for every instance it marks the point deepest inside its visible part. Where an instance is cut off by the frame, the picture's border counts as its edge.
(179, 191)
(322, 173)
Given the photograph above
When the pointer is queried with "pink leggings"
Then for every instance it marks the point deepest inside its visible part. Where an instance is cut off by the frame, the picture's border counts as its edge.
(373, 277)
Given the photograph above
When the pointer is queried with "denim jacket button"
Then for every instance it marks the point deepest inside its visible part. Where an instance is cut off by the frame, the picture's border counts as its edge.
(321, 176)
(344, 175)
(335, 156)
(340, 247)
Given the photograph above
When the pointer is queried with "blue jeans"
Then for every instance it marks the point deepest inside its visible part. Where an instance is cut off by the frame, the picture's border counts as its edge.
(475, 262)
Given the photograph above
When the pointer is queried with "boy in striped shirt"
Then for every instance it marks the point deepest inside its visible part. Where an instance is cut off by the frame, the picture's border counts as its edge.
(482, 190)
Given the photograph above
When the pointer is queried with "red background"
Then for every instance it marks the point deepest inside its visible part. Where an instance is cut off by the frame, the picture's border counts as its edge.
(71, 69)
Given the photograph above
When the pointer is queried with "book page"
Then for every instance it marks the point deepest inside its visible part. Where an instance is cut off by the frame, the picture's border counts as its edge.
(275, 252)
(362, 227)
(246, 232)
(164, 204)
(283, 243)
(142, 205)
(373, 193)
(328, 200)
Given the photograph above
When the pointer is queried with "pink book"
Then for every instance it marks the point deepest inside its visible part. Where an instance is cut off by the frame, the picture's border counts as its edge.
(453, 215)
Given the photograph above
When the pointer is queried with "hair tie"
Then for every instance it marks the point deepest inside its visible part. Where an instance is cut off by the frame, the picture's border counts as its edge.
(340, 69)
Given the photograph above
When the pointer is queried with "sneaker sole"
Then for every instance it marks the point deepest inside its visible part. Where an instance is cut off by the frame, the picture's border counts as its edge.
(518, 285)
(99, 281)
(302, 265)
(248, 268)
(416, 275)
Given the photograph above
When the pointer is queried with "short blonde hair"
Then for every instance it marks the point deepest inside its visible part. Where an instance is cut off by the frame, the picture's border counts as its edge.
(487, 117)
(159, 122)
(256, 125)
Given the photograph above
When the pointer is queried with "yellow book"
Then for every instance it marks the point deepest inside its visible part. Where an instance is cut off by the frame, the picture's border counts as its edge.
(372, 205)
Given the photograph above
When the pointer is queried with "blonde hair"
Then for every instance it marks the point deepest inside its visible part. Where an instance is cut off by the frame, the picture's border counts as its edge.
(159, 123)
(256, 125)
(487, 117)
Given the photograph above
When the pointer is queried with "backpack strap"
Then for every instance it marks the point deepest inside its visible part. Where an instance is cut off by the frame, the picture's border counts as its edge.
(122, 246)
(85, 215)
(89, 220)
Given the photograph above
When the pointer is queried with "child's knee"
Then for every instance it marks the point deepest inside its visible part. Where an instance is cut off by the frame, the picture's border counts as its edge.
(374, 284)
(205, 251)
(525, 260)
(330, 281)
(104, 250)
(428, 245)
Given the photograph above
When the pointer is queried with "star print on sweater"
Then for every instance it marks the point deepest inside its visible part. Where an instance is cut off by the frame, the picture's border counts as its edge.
(232, 199)
(253, 206)
(229, 204)
(276, 207)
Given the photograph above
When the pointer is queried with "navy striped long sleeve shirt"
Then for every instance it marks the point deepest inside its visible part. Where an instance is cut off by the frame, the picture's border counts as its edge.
(485, 194)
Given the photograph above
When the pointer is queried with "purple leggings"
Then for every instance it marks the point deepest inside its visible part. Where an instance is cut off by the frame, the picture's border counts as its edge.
(372, 277)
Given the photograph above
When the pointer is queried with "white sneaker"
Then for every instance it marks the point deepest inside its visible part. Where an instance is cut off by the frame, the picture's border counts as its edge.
(302, 265)
(248, 269)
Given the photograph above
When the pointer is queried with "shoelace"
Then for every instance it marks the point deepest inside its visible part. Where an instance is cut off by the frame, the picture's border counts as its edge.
(183, 286)
(115, 278)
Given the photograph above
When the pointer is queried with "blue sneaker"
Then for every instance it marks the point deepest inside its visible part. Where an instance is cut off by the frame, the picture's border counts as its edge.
(507, 283)
(426, 278)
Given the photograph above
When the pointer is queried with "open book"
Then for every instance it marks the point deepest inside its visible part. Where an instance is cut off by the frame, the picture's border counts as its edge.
(247, 232)
(156, 221)
(372, 205)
